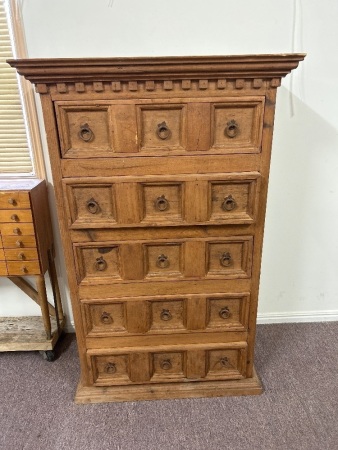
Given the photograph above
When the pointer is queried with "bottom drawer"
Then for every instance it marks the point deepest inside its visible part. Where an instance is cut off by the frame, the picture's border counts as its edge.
(167, 364)
(23, 268)
(3, 268)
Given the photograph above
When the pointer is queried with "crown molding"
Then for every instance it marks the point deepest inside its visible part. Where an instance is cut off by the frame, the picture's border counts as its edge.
(64, 70)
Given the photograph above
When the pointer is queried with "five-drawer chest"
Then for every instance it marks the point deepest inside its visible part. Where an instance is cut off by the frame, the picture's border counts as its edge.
(160, 169)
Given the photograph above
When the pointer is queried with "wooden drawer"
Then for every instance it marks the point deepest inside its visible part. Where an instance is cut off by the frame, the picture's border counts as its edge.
(159, 201)
(167, 364)
(19, 241)
(94, 129)
(2, 254)
(23, 268)
(19, 215)
(11, 229)
(14, 200)
(3, 268)
(26, 254)
(229, 257)
(166, 314)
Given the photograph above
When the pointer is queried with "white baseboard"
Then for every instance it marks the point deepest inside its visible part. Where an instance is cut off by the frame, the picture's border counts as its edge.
(286, 317)
(294, 317)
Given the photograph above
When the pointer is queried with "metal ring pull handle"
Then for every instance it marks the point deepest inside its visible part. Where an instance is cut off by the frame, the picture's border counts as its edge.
(162, 261)
(229, 203)
(224, 361)
(85, 133)
(92, 206)
(161, 203)
(232, 129)
(224, 313)
(100, 264)
(110, 368)
(225, 259)
(166, 315)
(166, 364)
(106, 318)
(163, 131)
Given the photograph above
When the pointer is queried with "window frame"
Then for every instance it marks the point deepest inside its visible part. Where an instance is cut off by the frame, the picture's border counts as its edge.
(19, 49)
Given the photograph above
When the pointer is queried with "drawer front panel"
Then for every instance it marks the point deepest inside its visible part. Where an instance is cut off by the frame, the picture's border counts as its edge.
(237, 126)
(3, 268)
(225, 362)
(168, 364)
(157, 260)
(19, 241)
(98, 262)
(228, 257)
(19, 215)
(2, 254)
(26, 254)
(84, 130)
(166, 314)
(23, 268)
(162, 127)
(11, 229)
(14, 200)
(160, 201)
(168, 126)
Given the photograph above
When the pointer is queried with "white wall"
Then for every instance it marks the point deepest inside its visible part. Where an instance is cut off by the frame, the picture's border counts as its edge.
(300, 258)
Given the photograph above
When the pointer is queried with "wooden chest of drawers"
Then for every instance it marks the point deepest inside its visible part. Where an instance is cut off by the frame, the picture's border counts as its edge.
(27, 249)
(161, 169)
(24, 237)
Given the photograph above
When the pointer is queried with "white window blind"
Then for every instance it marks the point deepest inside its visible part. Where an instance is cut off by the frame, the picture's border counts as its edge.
(15, 155)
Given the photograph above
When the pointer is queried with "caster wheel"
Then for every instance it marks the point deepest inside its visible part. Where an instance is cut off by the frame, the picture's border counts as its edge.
(48, 355)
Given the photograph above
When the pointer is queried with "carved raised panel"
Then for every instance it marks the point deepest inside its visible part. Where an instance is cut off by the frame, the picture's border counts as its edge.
(90, 203)
(85, 130)
(229, 257)
(225, 363)
(236, 125)
(162, 127)
(95, 262)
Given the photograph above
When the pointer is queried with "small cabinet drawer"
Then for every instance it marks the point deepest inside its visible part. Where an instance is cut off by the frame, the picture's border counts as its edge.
(19, 215)
(23, 268)
(20, 229)
(167, 364)
(3, 268)
(19, 241)
(166, 314)
(26, 254)
(14, 200)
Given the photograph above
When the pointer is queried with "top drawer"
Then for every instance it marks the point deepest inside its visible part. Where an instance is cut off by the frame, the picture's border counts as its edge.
(14, 200)
(93, 129)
